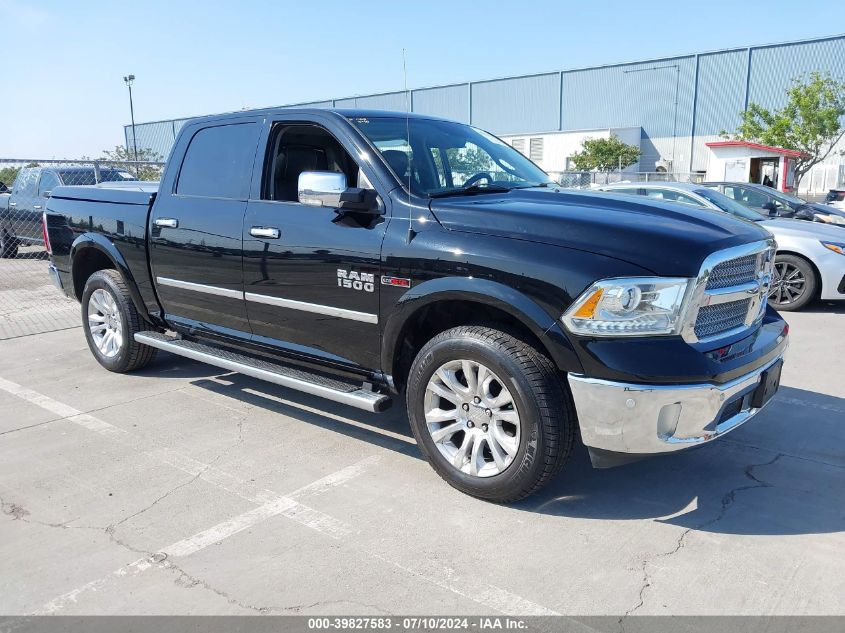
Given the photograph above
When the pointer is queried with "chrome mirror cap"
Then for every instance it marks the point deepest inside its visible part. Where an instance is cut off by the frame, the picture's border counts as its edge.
(321, 188)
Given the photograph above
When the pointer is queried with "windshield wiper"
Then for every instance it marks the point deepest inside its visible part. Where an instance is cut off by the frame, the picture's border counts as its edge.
(471, 191)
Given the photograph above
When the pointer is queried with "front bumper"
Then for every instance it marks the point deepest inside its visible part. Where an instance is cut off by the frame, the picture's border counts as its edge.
(646, 419)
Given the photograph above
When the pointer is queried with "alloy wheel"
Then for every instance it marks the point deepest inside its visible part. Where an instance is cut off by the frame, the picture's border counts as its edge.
(472, 418)
(104, 323)
(788, 285)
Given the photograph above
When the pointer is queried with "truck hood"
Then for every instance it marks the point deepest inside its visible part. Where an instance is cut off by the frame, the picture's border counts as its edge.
(665, 238)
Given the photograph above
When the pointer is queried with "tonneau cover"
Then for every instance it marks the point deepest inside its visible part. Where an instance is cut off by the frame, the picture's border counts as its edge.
(127, 192)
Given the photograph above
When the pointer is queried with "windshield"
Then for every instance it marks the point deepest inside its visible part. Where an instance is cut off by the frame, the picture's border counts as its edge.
(731, 206)
(785, 196)
(445, 158)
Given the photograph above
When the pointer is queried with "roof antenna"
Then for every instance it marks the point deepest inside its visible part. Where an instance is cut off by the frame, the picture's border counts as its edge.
(411, 232)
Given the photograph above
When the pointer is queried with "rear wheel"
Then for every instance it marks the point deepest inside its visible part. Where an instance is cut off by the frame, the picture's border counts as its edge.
(490, 413)
(111, 321)
(794, 283)
(8, 246)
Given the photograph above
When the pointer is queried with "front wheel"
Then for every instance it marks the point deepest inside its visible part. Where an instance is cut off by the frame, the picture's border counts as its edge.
(490, 413)
(793, 285)
(111, 321)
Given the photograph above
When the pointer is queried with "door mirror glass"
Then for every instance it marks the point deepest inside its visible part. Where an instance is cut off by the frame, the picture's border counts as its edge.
(321, 188)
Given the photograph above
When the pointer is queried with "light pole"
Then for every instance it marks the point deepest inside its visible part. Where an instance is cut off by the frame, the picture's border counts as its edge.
(128, 79)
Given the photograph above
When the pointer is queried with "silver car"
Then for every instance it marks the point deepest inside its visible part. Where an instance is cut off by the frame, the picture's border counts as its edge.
(810, 261)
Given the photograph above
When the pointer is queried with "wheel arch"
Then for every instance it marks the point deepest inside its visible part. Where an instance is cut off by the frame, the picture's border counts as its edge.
(92, 252)
(437, 305)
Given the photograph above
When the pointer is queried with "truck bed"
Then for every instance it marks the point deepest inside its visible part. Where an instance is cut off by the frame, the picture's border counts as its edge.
(109, 217)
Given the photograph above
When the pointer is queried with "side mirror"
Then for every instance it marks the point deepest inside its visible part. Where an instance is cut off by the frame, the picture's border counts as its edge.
(771, 208)
(328, 189)
(321, 188)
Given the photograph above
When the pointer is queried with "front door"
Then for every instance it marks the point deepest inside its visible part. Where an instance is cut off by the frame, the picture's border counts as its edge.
(311, 281)
(196, 225)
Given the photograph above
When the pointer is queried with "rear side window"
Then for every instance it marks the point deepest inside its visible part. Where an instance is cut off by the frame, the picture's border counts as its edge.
(48, 182)
(219, 161)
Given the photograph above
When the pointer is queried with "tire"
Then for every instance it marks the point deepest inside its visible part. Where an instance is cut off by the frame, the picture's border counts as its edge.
(794, 284)
(111, 309)
(8, 246)
(528, 453)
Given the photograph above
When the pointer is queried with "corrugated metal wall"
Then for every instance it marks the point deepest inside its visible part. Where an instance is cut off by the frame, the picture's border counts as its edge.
(712, 89)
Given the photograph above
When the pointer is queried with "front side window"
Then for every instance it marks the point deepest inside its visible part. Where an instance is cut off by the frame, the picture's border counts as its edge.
(295, 148)
(218, 162)
(442, 158)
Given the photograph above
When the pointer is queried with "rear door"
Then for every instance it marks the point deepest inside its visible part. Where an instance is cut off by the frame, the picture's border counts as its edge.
(196, 247)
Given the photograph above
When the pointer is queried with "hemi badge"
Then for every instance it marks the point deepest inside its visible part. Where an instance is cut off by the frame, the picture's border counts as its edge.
(399, 282)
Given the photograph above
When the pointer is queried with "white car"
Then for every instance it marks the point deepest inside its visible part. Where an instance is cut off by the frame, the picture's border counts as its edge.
(810, 261)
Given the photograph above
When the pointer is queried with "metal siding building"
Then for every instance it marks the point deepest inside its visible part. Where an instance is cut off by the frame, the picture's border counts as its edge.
(680, 103)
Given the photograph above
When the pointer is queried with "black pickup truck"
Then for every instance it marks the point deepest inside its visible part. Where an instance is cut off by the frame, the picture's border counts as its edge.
(360, 255)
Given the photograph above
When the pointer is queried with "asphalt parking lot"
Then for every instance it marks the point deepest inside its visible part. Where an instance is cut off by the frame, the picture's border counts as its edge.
(183, 490)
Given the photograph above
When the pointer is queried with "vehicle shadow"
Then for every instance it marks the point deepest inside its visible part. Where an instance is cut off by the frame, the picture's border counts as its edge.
(388, 430)
(782, 473)
(826, 307)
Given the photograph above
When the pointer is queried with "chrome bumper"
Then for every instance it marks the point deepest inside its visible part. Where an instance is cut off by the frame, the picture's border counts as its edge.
(54, 276)
(647, 419)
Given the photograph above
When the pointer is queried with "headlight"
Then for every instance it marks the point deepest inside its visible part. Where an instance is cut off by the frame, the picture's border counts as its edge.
(641, 306)
(836, 247)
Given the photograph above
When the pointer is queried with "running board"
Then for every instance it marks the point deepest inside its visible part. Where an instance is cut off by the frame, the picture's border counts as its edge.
(286, 376)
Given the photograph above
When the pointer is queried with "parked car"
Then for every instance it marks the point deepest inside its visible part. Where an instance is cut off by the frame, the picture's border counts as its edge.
(810, 260)
(778, 204)
(354, 255)
(835, 198)
(20, 216)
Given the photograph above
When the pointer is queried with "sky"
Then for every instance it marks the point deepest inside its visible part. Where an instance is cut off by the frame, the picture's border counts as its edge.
(62, 93)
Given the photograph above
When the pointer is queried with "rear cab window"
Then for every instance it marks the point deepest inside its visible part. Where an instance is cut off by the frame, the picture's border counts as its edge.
(218, 162)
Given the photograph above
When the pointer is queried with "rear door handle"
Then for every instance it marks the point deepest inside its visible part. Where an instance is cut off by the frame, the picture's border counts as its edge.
(266, 232)
(37, 207)
(166, 223)
(13, 204)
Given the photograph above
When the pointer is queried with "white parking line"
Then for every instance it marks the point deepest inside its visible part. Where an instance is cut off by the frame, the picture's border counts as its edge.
(271, 504)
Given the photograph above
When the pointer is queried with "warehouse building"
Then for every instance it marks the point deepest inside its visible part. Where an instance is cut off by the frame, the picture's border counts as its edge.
(671, 107)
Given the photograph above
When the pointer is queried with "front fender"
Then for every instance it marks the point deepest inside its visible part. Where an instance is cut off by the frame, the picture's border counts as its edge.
(482, 291)
(83, 246)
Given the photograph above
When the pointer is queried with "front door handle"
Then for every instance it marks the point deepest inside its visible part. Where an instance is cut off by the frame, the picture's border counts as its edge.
(166, 223)
(267, 232)
(13, 204)
(37, 207)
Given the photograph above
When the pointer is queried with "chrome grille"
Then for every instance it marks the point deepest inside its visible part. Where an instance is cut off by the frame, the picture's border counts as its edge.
(721, 317)
(730, 292)
(734, 272)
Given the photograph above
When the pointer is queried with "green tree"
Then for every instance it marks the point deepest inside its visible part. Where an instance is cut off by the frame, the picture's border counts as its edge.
(605, 154)
(8, 175)
(144, 170)
(810, 121)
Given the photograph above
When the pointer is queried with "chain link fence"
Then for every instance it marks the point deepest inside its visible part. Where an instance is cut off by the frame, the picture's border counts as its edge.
(29, 303)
